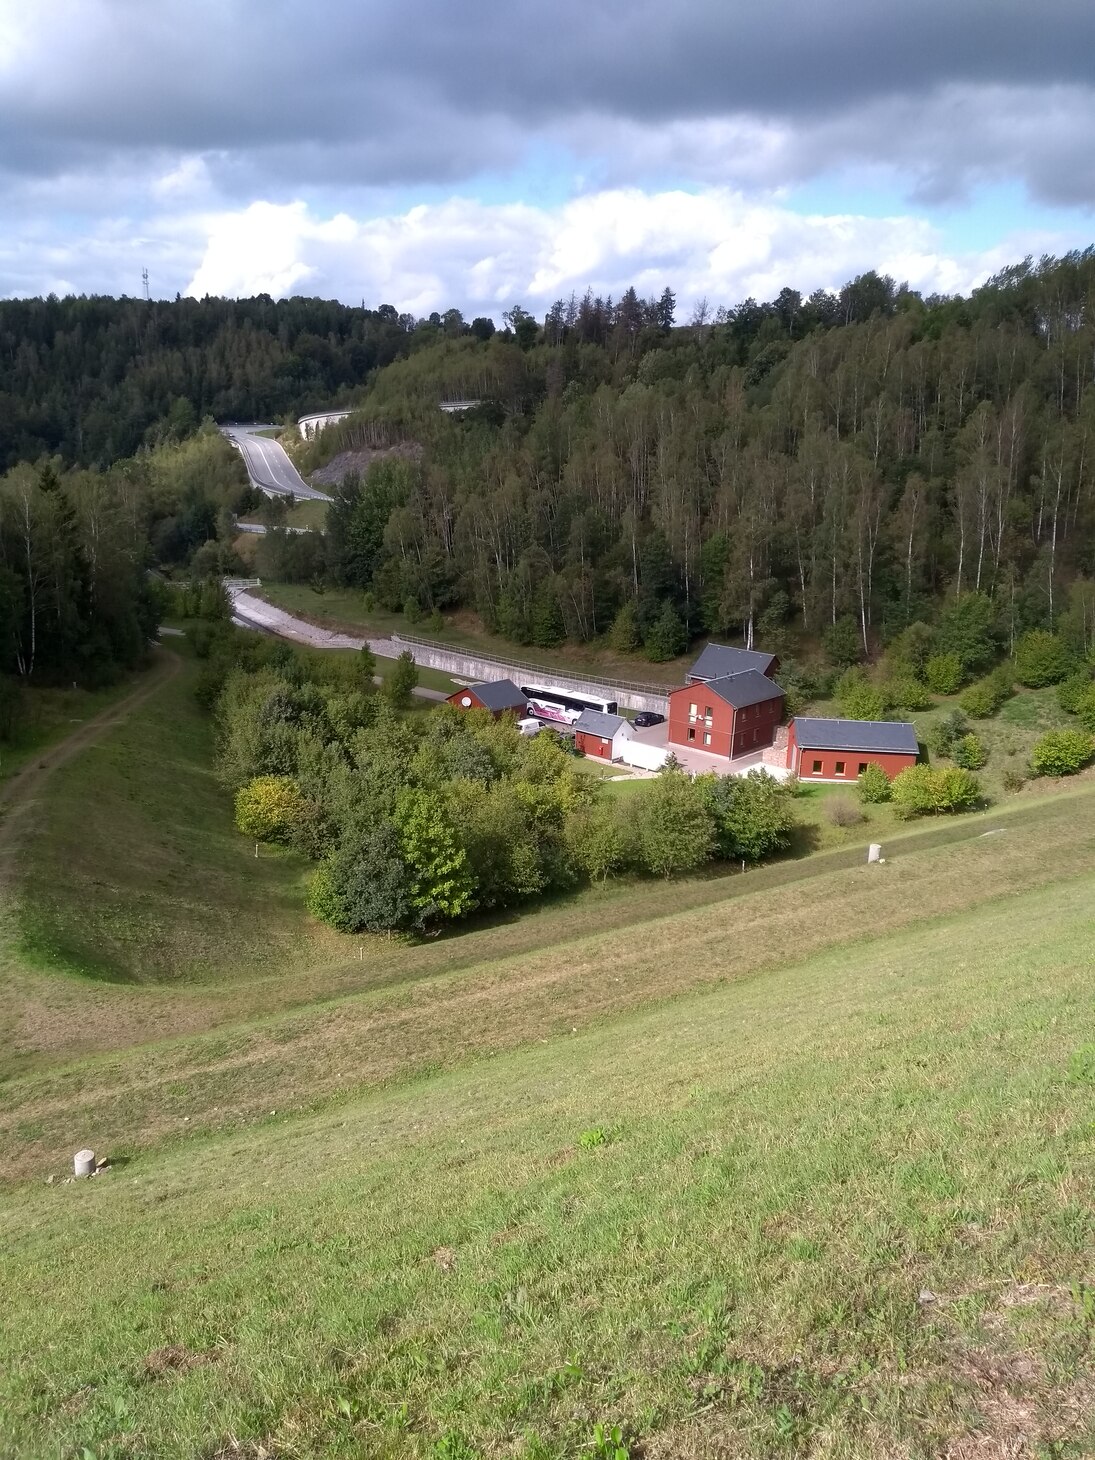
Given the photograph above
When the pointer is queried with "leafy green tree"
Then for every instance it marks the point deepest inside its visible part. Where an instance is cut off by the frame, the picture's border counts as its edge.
(268, 808)
(443, 884)
(984, 697)
(945, 735)
(910, 651)
(674, 830)
(365, 885)
(967, 629)
(1040, 659)
(873, 785)
(907, 693)
(843, 643)
(1072, 692)
(1062, 752)
(666, 637)
(546, 624)
(595, 841)
(970, 753)
(943, 673)
(624, 634)
(753, 815)
(402, 681)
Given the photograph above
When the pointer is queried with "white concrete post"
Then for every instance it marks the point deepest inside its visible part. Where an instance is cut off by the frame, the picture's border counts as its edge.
(83, 1162)
(874, 852)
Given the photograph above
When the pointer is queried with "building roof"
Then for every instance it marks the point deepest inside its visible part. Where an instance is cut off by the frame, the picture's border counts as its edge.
(889, 737)
(499, 694)
(719, 660)
(596, 722)
(741, 690)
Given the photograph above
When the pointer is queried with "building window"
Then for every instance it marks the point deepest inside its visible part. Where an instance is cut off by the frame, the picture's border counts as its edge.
(693, 711)
(707, 712)
(862, 767)
(817, 768)
(691, 734)
(838, 769)
(707, 737)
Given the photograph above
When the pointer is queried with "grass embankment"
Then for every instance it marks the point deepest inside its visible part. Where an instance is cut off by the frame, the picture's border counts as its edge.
(842, 1208)
(51, 714)
(342, 610)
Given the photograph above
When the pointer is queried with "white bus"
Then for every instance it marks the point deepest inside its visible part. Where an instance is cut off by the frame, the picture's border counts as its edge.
(563, 706)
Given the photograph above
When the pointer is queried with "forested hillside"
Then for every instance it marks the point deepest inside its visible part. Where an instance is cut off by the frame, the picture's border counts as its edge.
(769, 473)
(93, 379)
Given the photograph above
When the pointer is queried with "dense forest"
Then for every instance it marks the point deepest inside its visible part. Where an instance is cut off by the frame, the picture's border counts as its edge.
(830, 470)
(840, 465)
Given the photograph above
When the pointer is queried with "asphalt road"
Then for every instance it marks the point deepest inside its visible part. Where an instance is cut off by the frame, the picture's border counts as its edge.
(269, 468)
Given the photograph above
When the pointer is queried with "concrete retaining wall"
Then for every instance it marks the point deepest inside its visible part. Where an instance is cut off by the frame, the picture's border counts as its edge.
(476, 667)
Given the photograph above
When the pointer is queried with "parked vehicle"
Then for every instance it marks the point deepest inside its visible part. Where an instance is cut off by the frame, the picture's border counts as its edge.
(645, 718)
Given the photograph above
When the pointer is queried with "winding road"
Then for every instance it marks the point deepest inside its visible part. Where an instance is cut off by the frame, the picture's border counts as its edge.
(268, 466)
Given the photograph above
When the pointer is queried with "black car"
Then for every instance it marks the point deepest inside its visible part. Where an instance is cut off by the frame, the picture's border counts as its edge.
(646, 718)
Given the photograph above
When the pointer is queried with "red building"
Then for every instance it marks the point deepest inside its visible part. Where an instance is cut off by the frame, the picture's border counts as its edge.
(600, 734)
(732, 716)
(841, 750)
(717, 661)
(499, 696)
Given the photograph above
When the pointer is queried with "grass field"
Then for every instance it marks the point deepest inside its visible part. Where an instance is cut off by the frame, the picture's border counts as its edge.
(53, 714)
(797, 1162)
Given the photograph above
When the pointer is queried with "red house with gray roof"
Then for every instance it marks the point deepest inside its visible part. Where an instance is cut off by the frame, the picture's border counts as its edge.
(731, 715)
(841, 750)
(498, 696)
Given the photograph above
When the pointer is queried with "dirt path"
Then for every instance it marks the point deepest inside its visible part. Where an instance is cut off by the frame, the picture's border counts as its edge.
(17, 796)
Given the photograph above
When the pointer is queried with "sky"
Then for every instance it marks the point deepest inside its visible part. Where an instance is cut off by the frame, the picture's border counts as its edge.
(478, 154)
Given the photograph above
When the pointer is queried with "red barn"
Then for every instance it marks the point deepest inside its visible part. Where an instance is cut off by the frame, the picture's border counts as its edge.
(841, 750)
(732, 716)
(499, 696)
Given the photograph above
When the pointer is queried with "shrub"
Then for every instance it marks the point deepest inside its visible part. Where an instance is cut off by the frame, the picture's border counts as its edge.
(908, 693)
(943, 673)
(985, 697)
(970, 753)
(1014, 780)
(874, 785)
(942, 738)
(1071, 691)
(842, 811)
(928, 790)
(1062, 752)
(1040, 659)
(858, 698)
(1085, 709)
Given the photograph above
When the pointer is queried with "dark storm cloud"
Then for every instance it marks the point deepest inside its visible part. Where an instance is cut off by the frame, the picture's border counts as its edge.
(435, 91)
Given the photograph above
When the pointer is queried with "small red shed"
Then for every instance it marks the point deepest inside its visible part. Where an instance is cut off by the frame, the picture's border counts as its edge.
(841, 750)
(498, 696)
(732, 716)
(599, 734)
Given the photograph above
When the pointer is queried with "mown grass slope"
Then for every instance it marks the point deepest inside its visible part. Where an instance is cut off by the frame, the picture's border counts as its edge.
(840, 1208)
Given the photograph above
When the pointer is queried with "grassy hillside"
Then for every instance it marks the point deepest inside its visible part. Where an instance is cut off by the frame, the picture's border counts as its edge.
(798, 1162)
(842, 1208)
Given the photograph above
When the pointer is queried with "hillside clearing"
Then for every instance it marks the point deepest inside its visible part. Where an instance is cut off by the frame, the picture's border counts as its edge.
(843, 1208)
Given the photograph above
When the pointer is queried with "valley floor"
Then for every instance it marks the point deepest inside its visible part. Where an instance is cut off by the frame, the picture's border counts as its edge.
(798, 1162)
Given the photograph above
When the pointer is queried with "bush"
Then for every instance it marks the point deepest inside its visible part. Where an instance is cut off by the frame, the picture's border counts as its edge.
(907, 693)
(943, 673)
(874, 785)
(858, 698)
(1062, 752)
(928, 790)
(1071, 692)
(985, 697)
(942, 738)
(842, 811)
(1014, 780)
(1040, 659)
(1085, 709)
(970, 753)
